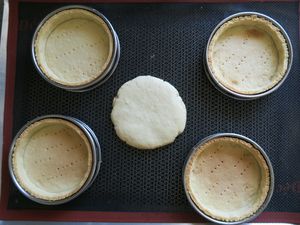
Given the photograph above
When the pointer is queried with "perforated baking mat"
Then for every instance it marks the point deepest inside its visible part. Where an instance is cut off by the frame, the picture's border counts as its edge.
(165, 40)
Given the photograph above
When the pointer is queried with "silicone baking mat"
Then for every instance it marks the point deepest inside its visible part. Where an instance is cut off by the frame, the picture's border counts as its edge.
(165, 40)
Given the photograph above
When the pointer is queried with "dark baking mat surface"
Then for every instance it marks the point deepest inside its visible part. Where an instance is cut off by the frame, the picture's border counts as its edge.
(167, 41)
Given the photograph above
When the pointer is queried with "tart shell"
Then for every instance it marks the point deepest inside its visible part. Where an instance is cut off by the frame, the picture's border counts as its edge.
(52, 159)
(254, 36)
(217, 186)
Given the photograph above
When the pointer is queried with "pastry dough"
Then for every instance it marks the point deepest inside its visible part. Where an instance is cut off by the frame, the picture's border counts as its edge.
(148, 113)
(248, 55)
(52, 159)
(227, 178)
(73, 47)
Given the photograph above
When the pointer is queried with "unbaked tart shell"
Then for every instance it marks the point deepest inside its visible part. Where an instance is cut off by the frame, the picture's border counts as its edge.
(227, 178)
(52, 159)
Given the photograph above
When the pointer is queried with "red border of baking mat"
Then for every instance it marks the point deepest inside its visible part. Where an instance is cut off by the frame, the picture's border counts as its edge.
(90, 216)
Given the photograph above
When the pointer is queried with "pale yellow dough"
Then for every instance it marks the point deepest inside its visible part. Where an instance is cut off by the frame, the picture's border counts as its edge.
(248, 55)
(148, 113)
(73, 47)
(52, 159)
(227, 178)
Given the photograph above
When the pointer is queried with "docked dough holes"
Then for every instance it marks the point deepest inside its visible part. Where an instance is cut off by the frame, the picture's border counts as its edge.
(148, 113)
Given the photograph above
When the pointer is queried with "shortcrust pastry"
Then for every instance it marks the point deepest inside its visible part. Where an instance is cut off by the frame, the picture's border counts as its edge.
(52, 159)
(73, 47)
(227, 178)
(148, 113)
(248, 55)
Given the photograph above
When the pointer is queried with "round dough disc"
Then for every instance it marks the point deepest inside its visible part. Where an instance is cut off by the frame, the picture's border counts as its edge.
(148, 113)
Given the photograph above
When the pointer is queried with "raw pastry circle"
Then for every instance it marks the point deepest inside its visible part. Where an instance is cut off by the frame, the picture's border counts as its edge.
(73, 47)
(148, 113)
(52, 159)
(227, 178)
(248, 55)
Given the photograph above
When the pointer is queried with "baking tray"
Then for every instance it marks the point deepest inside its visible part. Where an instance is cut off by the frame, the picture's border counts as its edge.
(166, 40)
